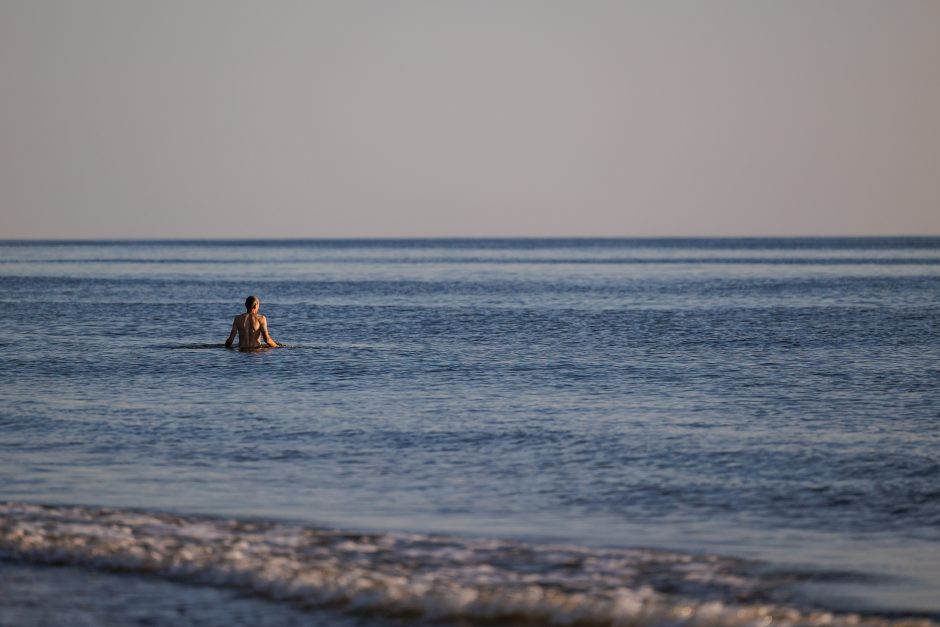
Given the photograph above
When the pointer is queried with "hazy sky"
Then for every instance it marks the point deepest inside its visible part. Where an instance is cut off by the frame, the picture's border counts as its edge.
(189, 118)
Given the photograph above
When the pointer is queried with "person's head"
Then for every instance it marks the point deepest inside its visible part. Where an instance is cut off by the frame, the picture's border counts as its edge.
(252, 303)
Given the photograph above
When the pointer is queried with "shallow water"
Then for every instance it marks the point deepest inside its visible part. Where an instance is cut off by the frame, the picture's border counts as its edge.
(52, 596)
(771, 400)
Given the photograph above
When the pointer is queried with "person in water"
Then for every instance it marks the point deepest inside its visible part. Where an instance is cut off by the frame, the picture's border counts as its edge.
(250, 327)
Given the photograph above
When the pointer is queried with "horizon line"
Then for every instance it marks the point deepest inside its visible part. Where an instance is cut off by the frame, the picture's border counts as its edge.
(379, 238)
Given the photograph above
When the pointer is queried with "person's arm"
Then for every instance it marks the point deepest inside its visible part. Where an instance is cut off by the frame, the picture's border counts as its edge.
(264, 332)
(231, 336)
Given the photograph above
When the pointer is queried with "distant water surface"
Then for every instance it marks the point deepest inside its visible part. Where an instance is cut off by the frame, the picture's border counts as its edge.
(773, 401)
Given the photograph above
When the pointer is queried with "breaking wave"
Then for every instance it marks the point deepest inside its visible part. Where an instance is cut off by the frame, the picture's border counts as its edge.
(425, 577)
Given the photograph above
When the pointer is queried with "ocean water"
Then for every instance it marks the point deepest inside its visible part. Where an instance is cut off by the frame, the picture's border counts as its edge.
(702, 431)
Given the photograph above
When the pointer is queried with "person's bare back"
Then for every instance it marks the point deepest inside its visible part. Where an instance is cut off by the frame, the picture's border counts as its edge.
(250, 327)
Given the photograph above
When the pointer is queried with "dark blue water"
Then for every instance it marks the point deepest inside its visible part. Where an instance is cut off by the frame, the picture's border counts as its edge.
(775, 399)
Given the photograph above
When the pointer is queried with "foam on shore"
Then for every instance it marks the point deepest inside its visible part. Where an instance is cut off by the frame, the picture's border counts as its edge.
(411, 575)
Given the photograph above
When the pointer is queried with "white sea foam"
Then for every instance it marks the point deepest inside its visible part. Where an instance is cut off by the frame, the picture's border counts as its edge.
(424, 576)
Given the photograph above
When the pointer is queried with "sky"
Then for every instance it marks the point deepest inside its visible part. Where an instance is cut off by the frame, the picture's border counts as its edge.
(475, 118)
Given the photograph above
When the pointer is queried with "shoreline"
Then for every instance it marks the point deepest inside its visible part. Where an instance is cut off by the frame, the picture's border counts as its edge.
(414, 576)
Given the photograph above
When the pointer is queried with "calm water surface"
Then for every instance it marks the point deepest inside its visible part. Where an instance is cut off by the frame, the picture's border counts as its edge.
(773, 400)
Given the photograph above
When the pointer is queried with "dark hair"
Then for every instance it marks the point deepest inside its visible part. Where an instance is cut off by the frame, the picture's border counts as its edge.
(250, 302)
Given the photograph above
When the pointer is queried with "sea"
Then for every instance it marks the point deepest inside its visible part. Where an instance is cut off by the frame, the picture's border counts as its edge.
(471, 431)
